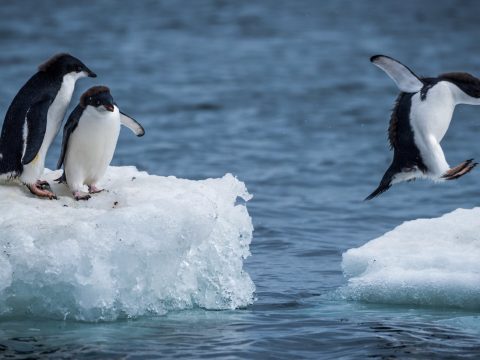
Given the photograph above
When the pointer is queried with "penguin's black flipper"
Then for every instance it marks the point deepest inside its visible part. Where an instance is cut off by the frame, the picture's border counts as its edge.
(36, 124)
(405, 79)
(132, 124)
(68, 129)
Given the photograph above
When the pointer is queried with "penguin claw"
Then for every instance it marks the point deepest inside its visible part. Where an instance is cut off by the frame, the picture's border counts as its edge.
(81, 196)
(41, 190)
(92, 189)
(459, 170)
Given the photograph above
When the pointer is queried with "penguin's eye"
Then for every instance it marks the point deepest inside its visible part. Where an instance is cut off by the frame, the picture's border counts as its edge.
(78, 68)
(97, 102)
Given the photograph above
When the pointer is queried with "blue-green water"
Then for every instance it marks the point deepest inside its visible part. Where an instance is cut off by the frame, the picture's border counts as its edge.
(282, 95)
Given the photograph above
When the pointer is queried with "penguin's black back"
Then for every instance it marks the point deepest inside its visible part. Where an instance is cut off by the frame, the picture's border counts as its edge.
(39, 86)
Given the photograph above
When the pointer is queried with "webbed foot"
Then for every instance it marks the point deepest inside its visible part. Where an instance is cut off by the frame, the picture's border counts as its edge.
(92, 189)
(78, 195)
(459, 170)
(42, 189)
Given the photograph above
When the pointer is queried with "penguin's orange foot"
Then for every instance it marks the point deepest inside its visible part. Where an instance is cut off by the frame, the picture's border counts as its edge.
(41, 190)
(44, 185)
(92, 189)
(78, 195)
(459, 170)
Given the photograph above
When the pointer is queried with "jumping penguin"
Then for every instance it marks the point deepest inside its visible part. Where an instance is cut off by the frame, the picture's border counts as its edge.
(419, 121)
(34, 119)
(89, 139)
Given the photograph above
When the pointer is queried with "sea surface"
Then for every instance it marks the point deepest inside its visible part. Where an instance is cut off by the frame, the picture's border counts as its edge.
(282, 95)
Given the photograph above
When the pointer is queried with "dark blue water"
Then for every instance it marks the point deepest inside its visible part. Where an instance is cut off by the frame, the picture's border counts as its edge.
(281, 94)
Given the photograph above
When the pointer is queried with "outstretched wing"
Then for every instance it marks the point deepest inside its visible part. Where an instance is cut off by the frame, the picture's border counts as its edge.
(34, 128)
(132, 124)
(405, 79)
(68, 129)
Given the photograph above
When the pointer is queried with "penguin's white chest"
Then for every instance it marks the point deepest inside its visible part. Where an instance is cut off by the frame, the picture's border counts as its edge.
(430, 120)
(91, 147)
(57, 110)
(432, 116)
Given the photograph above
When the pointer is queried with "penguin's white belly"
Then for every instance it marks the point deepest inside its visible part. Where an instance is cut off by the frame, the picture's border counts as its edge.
(91, 147)
(430, 120)
(56, 112)
(433, 115)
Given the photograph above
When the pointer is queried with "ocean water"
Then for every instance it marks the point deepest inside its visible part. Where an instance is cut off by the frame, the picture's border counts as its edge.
(282, 95)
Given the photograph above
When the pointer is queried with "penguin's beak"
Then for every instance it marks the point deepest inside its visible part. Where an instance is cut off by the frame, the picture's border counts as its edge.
(109, 107)
(91, 73)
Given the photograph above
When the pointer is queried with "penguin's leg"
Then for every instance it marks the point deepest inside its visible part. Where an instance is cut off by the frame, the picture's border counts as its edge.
(433, 157)
(92, 189)
(438, 166)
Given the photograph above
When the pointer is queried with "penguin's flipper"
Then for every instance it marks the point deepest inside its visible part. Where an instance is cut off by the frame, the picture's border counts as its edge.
(34, 128)
(68, 129)
(405, 79)
(132, 124)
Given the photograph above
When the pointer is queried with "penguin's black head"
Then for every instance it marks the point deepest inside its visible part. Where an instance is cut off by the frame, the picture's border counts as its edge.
(99, 97)
(63, 64)
(469, 84)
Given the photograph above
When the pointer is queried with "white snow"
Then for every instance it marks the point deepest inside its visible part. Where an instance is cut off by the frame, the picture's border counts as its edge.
(148, 245)
(430, 262)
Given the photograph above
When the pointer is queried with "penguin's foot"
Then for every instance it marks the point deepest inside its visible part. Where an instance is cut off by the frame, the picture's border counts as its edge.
(459, 170)
(79, 195)
(92, 189)
(44, 185)
(41, 190)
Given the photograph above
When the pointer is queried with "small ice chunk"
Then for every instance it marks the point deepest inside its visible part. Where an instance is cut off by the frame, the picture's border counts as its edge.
(147, 245)
(430, 262)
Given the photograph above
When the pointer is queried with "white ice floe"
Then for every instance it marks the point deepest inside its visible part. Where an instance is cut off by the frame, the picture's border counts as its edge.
(147, 245)
(431, 262)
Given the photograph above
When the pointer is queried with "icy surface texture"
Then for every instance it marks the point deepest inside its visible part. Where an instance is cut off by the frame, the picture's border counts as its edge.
(147, 245)
(431, 262)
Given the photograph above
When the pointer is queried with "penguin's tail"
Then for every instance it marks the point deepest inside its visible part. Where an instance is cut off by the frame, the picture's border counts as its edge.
(385, 183)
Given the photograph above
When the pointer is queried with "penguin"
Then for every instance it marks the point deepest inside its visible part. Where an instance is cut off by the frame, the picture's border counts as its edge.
(89, 139)
(420, 118)
(34, 118)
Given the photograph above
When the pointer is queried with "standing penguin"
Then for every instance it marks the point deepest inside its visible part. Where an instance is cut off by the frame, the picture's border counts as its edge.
(89, 139)
(34, 119)
(419, 121)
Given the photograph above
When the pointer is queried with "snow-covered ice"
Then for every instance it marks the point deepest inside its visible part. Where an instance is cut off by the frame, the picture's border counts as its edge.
(431, 262)
(148, 245)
